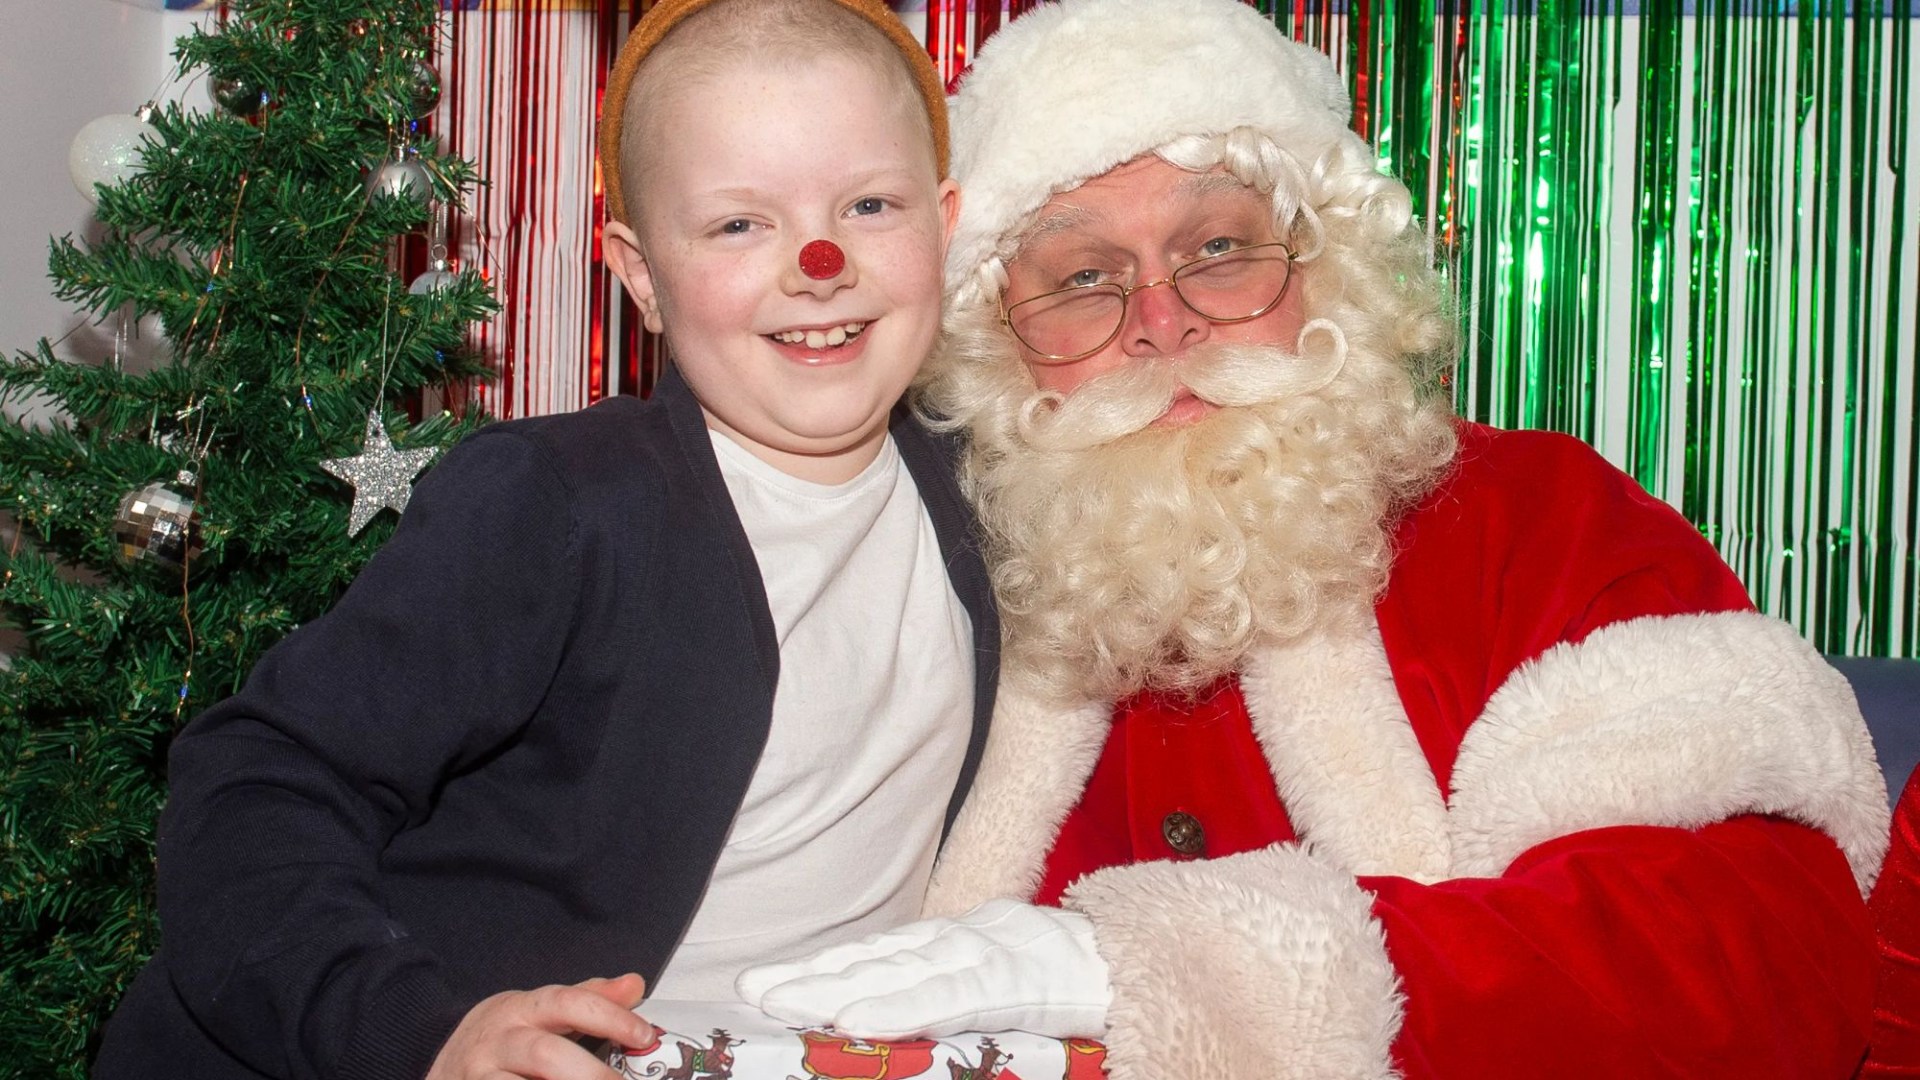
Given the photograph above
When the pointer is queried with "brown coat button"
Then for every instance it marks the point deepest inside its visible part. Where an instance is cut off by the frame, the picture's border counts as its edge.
(1183, 833)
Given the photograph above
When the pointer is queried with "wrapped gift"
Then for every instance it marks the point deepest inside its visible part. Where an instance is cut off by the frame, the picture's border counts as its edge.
(732, 1041)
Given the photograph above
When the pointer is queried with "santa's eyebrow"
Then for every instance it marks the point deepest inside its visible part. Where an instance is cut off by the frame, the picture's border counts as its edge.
(1064, 219)
(1209, 183)
(1070, 218)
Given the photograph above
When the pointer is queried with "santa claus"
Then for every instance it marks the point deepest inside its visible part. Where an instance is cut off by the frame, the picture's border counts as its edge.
(1338, 737)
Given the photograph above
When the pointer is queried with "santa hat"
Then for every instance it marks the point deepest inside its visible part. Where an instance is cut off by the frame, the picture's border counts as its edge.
(1072, 89)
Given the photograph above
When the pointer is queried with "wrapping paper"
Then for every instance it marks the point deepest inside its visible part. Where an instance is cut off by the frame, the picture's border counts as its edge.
(732, 1041)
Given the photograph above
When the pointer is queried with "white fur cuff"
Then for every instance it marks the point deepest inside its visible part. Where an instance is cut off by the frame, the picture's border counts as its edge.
(1266, 964)
(1678, 721)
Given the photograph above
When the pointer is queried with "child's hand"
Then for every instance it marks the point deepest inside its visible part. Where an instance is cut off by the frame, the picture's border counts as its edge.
(530, 1033)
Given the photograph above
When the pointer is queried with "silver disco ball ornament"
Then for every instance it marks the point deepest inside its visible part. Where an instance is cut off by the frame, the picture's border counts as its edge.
(157, 524)
(241, 98)
(397, 178)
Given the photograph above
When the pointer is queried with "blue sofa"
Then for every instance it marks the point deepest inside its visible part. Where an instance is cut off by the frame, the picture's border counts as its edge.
(1889, 693)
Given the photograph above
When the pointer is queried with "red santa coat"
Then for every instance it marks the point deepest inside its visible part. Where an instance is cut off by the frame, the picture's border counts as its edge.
(1572, 809)
(1896, 918)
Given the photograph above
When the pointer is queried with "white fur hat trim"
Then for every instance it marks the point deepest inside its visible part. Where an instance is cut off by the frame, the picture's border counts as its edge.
(1071, 89)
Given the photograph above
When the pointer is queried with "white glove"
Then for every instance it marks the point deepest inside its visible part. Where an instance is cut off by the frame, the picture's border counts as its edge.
(1004, 966)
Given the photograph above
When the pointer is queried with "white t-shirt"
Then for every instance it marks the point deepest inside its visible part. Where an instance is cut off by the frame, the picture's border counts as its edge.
(871, 719)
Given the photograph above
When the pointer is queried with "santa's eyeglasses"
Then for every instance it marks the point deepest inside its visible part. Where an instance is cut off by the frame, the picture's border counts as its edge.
(1076, 322)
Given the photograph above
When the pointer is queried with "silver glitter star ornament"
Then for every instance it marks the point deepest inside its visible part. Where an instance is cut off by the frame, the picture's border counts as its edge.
(382, 477)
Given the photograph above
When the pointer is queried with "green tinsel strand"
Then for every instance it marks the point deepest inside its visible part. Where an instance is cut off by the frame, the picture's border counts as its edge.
(1880, 549)
(1905, 594)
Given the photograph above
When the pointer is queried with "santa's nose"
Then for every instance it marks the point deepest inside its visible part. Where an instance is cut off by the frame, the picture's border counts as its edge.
(1159, 323)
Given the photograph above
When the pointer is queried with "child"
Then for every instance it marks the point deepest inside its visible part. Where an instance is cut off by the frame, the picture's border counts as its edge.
(666, 688)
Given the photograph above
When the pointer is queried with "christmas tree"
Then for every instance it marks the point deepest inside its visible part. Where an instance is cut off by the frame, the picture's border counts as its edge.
(173, 523)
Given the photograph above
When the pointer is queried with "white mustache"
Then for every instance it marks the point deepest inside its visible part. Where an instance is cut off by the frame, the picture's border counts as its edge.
(1130, 399)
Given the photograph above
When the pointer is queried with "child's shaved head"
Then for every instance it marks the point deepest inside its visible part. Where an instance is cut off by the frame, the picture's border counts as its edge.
(705, 37)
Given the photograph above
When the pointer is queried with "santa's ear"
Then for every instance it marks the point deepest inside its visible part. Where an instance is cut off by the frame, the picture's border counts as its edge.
(628, 261)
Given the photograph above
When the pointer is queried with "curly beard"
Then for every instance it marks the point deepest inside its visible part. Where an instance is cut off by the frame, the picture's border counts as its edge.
(1126, 556)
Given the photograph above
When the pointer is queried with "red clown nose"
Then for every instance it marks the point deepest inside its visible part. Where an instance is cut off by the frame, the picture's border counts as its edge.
(822, 259)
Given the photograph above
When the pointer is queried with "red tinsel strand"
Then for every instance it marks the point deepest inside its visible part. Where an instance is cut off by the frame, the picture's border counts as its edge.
(500, 387)
(936, 23)
(649, 351)
(957, 43)
(605, 36)
(1456, 96)
(516, 194)
(986, 19)
(451, 60)
(1361, 60)
(536, 139)
(499, 390)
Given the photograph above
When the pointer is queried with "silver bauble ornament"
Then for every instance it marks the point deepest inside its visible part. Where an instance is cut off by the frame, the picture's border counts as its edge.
(107, 151)
(432, 281)
(159, 525)
(426, 89)
(400, 178)
(242, 99)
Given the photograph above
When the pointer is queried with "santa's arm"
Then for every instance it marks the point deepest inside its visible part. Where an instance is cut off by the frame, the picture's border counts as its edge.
(1651, 873)
(1739, 949)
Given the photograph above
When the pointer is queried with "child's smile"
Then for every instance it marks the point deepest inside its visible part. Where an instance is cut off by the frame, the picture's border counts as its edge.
(833, 343)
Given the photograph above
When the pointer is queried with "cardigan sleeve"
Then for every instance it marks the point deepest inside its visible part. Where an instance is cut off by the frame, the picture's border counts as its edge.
(283, 796)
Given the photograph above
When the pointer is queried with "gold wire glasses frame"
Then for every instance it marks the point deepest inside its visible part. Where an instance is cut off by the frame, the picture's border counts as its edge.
(1227, 282)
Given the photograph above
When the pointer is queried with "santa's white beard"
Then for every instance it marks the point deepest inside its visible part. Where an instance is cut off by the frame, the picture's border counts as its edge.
(1126, 556)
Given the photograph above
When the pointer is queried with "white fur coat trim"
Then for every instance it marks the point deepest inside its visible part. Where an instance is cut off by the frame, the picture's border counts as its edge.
(1266, 964)
(1680, 721)
(1676, 721)
(1035, 765)
(1344, 757)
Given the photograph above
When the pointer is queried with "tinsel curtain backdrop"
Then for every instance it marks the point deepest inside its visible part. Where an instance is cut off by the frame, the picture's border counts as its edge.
(1683, 233)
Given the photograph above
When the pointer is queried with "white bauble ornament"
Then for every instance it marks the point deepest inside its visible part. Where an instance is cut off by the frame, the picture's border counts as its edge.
(400, 177)
(431, 281)
(107, 151)
(438, 275)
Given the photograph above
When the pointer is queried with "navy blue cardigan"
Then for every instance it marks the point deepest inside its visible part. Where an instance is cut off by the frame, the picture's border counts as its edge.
(508, 757)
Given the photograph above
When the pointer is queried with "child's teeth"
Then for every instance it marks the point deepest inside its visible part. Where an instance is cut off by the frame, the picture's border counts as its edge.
(821, 339)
